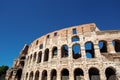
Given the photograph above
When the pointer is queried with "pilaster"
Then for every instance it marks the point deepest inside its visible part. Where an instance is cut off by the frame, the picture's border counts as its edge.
(110, 47)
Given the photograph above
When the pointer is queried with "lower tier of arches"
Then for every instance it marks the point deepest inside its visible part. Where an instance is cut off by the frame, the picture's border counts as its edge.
(92, 73)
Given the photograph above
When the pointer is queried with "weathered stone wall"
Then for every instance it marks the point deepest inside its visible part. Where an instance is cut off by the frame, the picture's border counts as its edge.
(37, 65)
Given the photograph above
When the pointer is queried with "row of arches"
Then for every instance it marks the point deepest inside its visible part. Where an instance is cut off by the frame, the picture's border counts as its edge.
(94, 74)
(17, 73)
(76, 51)
(102, 44)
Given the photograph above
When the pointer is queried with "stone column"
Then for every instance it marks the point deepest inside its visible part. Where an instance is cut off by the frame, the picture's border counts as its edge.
(118, 74)
(42, 58)
(102, 75)
(37, 57)
(59, 54)
(97, 51)
(40, 75)
(58, 75)
(71, 74)
(50, 55)
(110, 47)
(83, 54)
(31, 62)
(28, 61)
(48, 75)
(86, 75)
(70, 47)
(70, 53)
(13, 76)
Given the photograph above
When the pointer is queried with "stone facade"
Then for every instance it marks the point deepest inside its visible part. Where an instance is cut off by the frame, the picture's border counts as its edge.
(77, 53)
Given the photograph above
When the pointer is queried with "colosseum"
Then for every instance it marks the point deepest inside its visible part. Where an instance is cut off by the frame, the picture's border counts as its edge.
(76, 53)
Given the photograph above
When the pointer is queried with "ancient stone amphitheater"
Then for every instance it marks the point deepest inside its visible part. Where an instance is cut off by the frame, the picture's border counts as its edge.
(76, 53)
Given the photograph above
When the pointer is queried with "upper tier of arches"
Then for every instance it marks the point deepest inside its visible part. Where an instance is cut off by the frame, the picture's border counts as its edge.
(66, 32)
(77, 51)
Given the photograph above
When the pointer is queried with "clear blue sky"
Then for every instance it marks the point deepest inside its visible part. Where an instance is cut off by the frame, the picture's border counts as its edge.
(22, 21)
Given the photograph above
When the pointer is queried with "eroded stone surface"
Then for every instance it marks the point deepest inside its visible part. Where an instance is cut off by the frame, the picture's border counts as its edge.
(51, 57)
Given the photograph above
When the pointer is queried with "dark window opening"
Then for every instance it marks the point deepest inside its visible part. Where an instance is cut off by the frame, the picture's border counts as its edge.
(37, 42)
(75, 38)
(26, 76)
(89, 49)
(22, 63)
(64, 51)
(31, 76)
(53, 75)
(116, 44)
(103, 46)
(110, 74)
(76, 51)
(41, 46)
(78, 74)
(74, 31)
(55, 34)
(34, 59)
(44, 75)
(65, 74)
(23, 57)
(54, 52)
(46, 55)
(39, 57)
(94, 74)
(18, 75)
(48, 36)
(37, 75)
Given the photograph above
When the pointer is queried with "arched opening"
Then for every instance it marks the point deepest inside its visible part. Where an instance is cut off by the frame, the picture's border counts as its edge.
(44, 75)
(23, 57)
(94, 74)
(116, 44)
(78, 74)
(26, 76)
(31, 76)
(55, 34)
(46, 55)
(74, 31)
(48, 36)
(64, 74)
(75, 38)
(89, 49)
(34, 59)
(22, 63)
(103, 46)
(110, 74)
(76, 51)
(37, 75)
(53, 75)
(37, 42)
(18, 74)
(54, 52)
(41, 46)
(39, 57)
(64, 51)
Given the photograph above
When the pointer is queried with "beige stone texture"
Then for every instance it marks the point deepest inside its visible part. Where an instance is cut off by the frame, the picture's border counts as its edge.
(71, 66)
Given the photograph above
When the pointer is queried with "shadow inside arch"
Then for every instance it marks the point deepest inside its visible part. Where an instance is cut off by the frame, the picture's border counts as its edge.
(113, 77)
